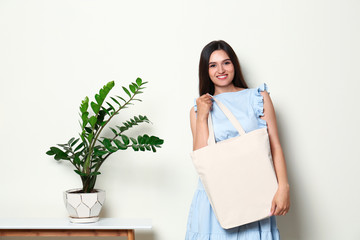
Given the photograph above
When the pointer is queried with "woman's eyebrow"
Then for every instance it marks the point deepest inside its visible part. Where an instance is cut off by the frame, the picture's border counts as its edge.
(222, 61)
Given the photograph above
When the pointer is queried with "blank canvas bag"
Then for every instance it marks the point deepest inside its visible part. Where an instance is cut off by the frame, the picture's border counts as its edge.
(237, 173)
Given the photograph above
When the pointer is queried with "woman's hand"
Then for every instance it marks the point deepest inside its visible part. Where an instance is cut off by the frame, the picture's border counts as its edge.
(204, 104)
(281, 202)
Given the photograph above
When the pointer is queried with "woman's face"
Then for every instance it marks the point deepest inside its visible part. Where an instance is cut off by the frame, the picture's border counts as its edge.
(221, 69)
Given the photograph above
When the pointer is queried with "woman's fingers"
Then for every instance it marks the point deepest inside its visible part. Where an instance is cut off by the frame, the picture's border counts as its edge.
(204, 99)
(204, 105)
(281, 210)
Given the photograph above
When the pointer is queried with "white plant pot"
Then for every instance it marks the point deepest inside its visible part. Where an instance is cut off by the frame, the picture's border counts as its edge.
(84, 207)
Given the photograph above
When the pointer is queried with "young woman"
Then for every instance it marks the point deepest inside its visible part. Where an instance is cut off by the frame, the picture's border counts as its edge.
(220, 75)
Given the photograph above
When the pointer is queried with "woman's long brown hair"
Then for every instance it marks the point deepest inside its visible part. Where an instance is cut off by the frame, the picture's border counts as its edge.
(205, 83)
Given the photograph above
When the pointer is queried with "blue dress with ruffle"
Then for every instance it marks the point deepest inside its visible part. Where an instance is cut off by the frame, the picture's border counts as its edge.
(247, 106)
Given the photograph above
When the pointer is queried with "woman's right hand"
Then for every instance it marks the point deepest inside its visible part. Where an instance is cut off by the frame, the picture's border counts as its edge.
(204, 104)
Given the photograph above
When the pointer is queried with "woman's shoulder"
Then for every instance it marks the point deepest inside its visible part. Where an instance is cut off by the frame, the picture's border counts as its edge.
(260, 88)
(255, 94)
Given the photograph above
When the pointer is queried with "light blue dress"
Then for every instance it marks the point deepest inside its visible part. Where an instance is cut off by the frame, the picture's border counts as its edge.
(247, 107)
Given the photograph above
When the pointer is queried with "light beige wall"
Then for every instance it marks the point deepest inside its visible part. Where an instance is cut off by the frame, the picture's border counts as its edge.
(54, 53)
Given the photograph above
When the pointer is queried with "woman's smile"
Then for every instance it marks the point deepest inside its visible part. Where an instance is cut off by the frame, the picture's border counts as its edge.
(222, 77)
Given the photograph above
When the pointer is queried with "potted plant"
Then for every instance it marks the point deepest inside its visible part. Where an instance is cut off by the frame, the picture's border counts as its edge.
(88, 152)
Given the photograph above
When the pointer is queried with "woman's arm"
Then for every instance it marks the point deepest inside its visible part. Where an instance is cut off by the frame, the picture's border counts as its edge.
(281, 202)
(201, 133)
(199, 124)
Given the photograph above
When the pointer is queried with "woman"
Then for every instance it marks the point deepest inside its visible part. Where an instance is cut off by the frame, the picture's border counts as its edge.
(220, 75)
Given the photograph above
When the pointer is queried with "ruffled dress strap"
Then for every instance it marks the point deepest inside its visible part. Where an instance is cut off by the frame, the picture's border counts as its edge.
(258, 104)
(195, 106)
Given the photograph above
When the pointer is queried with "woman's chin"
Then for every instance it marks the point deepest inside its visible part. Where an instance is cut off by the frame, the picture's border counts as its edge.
(222, 83)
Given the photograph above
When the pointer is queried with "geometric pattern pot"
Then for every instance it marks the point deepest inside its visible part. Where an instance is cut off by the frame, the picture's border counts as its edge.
(84, 207)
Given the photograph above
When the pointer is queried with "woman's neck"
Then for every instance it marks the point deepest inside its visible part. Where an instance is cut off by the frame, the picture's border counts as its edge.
(229, 88)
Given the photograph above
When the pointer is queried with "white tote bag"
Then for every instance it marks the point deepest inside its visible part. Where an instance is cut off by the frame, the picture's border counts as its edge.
(237, 173)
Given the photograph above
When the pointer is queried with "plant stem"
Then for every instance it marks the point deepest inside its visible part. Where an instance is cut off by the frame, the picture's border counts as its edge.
(93, 142)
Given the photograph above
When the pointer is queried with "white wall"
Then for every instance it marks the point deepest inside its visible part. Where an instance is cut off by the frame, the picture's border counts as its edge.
(54, 53)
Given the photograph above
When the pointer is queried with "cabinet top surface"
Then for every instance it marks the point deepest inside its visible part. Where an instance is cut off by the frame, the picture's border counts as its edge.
(63, 223)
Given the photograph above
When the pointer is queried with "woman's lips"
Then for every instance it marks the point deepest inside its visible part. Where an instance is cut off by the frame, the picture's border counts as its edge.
(222, 77)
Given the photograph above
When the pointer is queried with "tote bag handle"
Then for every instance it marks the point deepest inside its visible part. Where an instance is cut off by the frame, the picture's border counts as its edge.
(229, 115)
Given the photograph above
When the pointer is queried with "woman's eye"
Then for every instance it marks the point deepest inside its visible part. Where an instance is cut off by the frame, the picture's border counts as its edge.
(212, 65)
(227, 62)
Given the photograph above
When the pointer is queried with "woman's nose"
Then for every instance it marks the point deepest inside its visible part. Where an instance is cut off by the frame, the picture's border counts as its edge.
(220, 69)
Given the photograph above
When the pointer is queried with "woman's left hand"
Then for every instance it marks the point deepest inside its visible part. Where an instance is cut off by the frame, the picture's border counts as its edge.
(281, 201)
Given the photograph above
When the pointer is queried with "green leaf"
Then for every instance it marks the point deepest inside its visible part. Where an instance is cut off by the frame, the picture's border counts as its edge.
(152, 140)
(80, 173)
(50, 153)
(95, 107)
(59, 154)
(144, 118)
(77, 159)
(135, 147)
(122, 129)
(90, 137)
(73, 143)
(103, 93)
(112, 149)
(82, 135)
(110, 85)
(105, 110)
(147, 146)
(141, 147)
(79, 146)
(99, 99)
(153, 148)
(92, 121)
(139, 81)
(84, 118)
(114, 131)
(105, 90)
(95, 173)
(132, 88)
(107, 142)
(159, 141)
(135, 85)
(146, 138)
(71, 140)
(127, 92)
(87, 129)
(99, 152)
(140, 139)
(125, 139)
(116, 101)
(120, 145)
(111, 106)
(101, 116)
(84, 105)
(133, 140)
(121, 98)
